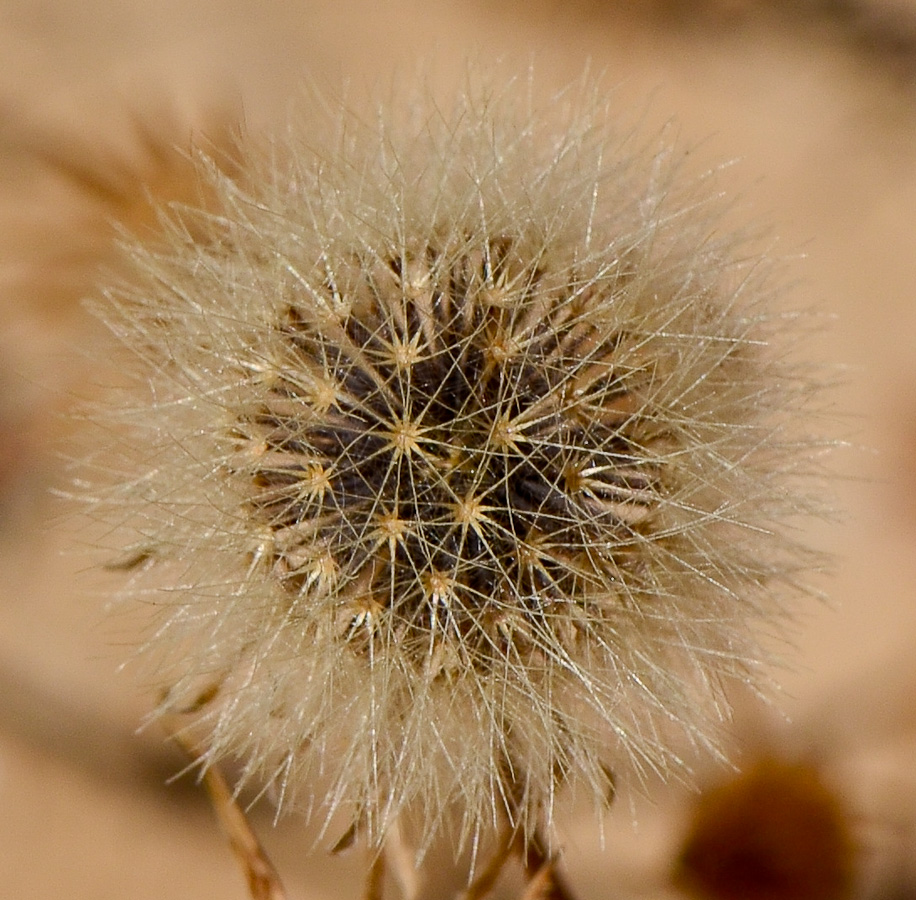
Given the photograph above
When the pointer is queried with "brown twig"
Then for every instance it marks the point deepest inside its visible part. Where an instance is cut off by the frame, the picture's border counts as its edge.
(263, 881)
(400, 859)
(544, 885)
(375, 880)
(481, 886)
(544, 879)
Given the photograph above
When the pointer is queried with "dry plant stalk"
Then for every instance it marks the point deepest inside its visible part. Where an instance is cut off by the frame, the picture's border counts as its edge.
(261, 876)
(464, 467)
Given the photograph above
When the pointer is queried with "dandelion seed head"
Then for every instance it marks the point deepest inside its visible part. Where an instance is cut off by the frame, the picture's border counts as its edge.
(466, 461)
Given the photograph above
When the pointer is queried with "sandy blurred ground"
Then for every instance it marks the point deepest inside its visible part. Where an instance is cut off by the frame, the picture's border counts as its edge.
(823, 129)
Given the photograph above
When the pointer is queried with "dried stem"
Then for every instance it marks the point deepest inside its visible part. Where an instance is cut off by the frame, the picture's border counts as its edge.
(481, 886)
(375, 880)
(544, 880)
(263, 881)
(400, 858)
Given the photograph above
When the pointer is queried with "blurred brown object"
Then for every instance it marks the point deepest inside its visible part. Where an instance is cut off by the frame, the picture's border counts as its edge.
(882, 33)
(67, 197)
(774, 832)
(85, 189)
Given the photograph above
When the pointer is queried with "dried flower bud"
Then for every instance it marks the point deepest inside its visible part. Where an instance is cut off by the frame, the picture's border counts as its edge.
(465, 464)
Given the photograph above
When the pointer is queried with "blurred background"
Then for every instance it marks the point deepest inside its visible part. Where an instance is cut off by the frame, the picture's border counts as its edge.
(813, 100)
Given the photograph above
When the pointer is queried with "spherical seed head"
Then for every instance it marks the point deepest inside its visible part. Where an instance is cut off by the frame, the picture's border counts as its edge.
(463, 464)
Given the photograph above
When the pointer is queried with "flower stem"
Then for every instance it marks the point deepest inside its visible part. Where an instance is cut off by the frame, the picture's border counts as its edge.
(544, 880)
(263, 880)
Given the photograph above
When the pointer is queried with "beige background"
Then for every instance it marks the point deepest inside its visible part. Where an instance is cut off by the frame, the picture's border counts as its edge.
(823, 129)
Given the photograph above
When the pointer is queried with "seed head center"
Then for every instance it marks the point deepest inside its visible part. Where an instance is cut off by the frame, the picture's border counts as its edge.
(406, 354)
(404, 437)
(469, 511)
(391, 528)
(323, 395)
(439, 587)
(315, 480)
(506, 433)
